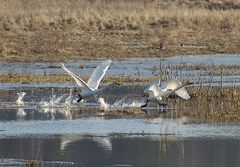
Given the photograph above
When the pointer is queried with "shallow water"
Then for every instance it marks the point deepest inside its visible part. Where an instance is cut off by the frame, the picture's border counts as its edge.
(60, 139)
(128, 127)
(119, 67)
(144, 67)
(48, 122)
(77, 150)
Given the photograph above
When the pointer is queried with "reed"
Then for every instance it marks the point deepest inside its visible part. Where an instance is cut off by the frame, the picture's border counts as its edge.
(210, 104)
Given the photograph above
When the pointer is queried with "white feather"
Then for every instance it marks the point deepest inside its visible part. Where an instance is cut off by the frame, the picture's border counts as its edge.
(85, 88)
(91, 87)
(98, 74)
(173, 86)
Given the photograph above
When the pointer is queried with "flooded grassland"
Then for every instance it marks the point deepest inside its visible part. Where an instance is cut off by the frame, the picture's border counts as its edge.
(40, 118)
(214, 94)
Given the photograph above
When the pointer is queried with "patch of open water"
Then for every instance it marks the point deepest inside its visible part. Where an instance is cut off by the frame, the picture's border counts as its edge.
(77, 150)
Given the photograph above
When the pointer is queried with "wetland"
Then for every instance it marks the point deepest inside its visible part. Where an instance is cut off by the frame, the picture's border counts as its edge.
(37, 113)
(41, 124)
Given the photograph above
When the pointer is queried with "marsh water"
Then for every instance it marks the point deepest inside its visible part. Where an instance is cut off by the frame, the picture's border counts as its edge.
(197, 68)
(44, 121)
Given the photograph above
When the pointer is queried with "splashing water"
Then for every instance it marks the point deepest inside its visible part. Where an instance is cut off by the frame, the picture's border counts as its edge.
(53, 102)
(128, 102)
(68, 100)
(103, 105)
(19, 101)
(67, 113)
(21, 113)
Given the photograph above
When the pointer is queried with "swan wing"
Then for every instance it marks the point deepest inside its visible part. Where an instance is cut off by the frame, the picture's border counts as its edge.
(182, 92)
(78, 80)
(98, 74)
(154, 91)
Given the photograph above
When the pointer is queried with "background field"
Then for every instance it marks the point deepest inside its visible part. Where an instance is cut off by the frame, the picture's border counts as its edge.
(60, 30)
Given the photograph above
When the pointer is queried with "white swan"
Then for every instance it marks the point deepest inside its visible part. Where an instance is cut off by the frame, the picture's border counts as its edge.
(90, 88)
(157, 94)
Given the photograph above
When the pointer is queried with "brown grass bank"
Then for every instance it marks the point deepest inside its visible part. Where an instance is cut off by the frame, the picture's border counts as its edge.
(210, 104)
(61, 30)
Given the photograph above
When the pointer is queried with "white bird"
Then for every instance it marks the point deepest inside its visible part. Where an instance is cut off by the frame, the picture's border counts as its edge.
(157, 94)
(90, 88)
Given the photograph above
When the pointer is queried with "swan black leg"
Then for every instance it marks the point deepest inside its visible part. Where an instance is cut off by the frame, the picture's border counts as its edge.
(80, 98)
(145, 104)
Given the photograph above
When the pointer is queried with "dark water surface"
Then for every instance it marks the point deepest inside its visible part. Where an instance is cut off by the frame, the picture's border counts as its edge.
(122, 151)
(99, 141)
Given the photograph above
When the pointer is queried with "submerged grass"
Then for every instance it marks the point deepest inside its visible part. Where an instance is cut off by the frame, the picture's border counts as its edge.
(61, 30)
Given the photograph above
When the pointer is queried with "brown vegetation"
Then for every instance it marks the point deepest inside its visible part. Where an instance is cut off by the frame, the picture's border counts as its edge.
(211, 104)
(33, 163)
(26, 78)
(59, 30)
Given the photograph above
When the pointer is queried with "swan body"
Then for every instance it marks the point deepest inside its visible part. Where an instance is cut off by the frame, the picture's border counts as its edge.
(157, 94)
(90, 88)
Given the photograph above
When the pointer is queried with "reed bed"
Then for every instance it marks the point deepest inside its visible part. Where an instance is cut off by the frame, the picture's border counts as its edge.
(210, 105)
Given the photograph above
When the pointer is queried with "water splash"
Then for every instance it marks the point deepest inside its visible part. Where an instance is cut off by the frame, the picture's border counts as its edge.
(66, 113)
(19, 100)
(21, 113)
(68, 100)
(55, 100)
(128, 102)
(52, 103)
(103, 105)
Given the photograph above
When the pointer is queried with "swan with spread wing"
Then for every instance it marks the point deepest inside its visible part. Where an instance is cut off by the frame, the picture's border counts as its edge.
(90, 89)
(158, 94)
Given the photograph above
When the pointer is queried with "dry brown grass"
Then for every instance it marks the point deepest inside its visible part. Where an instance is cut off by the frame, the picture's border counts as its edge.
(26, 78)
(211, 104)
(93, 15)
(58, 30)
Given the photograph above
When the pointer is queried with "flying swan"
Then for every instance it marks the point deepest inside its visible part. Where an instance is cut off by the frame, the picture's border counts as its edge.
(157, 94)
(90, 89)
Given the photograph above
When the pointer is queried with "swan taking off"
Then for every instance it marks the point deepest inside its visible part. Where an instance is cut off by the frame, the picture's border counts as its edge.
(157, 94)
(90, 88)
